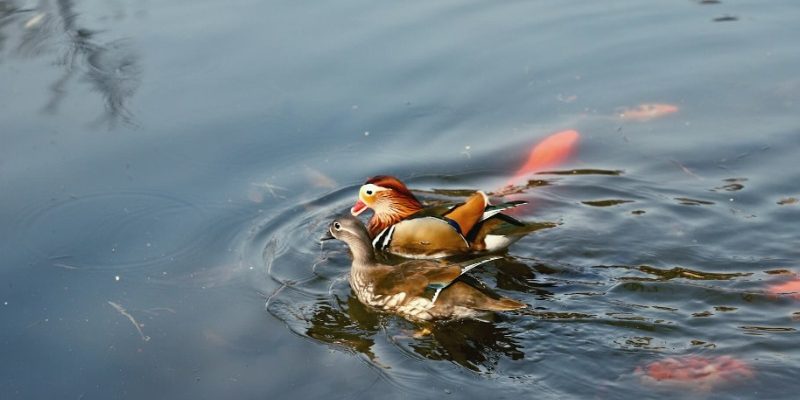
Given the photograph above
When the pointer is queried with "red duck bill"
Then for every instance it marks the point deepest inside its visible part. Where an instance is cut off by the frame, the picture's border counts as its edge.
(358, 208)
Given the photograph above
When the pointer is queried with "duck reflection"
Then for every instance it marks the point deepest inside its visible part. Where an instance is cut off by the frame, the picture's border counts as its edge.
(514, 275)
(476, 345)
(113, 68)
(352, 328)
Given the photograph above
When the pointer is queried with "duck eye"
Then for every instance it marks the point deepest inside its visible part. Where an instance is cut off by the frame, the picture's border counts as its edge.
(368, 192)
(337, 226)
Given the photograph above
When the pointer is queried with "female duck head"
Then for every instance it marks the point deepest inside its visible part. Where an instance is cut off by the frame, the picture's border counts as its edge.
(351, 231)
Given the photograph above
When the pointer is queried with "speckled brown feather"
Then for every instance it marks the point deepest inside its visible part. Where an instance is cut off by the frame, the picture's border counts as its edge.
(405, 288)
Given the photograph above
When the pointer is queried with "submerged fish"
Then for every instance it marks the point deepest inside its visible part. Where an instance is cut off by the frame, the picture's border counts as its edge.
(695, 372)
(647, 111)
(548, 153)
(792, 288)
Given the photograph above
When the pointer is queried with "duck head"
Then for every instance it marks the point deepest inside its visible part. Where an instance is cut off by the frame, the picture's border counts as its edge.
(348, 229)
(351, 231)
(389, 199)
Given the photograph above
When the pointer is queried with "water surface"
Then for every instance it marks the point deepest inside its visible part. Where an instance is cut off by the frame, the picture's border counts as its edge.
(166, 170)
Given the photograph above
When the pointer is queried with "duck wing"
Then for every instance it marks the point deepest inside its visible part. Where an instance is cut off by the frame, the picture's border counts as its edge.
(416, 278)
(463, 216)
(500, 230)
(424, 236)
(492, 210)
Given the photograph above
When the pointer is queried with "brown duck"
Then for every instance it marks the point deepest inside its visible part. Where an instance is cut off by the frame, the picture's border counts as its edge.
(401, 225)
(418, 290)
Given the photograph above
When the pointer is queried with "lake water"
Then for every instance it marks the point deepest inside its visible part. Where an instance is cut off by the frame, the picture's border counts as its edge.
(166, 169)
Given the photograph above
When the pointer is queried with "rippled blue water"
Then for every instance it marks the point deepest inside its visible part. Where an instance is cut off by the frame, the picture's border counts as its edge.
(167, 167)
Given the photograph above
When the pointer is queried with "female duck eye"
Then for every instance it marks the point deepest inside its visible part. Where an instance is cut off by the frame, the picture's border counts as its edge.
(337, 226)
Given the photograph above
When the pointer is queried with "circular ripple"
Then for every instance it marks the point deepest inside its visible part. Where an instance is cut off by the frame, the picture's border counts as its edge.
(314, 300)
(113, 230)
(591, 292)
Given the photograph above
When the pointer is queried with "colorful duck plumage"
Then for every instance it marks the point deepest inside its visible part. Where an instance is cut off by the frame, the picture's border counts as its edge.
(401, 225)
(419, 290)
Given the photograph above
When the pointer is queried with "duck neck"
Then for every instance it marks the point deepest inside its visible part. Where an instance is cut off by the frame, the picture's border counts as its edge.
(363, 253)
(394, 210)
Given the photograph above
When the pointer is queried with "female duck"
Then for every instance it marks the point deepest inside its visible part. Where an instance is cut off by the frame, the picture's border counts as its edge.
(401, 225)
(417, 290)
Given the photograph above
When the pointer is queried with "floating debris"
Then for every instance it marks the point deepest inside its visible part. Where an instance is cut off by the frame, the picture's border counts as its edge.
(35, 20)
(466, 151)
(686, 170)
(65, 266)
(256, 194)
(787, 201)
(647, 111)
(125, 313)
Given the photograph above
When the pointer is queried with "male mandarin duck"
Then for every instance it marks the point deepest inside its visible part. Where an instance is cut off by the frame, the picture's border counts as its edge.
(401, 225)
(418, 290)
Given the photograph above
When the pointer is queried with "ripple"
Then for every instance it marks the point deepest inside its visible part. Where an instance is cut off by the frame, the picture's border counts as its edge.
(313, 299)
(693, 202)
(606, 203)
(577, 310)
(131, 229)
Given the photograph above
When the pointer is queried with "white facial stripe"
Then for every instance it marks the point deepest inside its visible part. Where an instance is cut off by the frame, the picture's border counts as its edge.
(370, 189)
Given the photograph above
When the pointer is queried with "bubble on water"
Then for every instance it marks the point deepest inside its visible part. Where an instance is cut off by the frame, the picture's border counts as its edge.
(116, 278)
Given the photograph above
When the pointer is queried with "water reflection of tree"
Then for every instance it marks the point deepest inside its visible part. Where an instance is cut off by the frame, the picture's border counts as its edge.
(112, 68)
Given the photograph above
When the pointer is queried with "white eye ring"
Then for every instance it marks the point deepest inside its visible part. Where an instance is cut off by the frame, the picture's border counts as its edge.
(337, 226)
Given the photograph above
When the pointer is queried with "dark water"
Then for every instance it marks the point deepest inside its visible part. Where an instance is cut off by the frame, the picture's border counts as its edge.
(166, 169)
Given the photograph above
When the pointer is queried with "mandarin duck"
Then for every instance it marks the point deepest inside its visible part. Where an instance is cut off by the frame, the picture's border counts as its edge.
(401, 225)
(418, 290)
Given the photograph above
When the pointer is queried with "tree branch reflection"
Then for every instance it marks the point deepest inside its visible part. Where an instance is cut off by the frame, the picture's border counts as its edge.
(112, 69)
